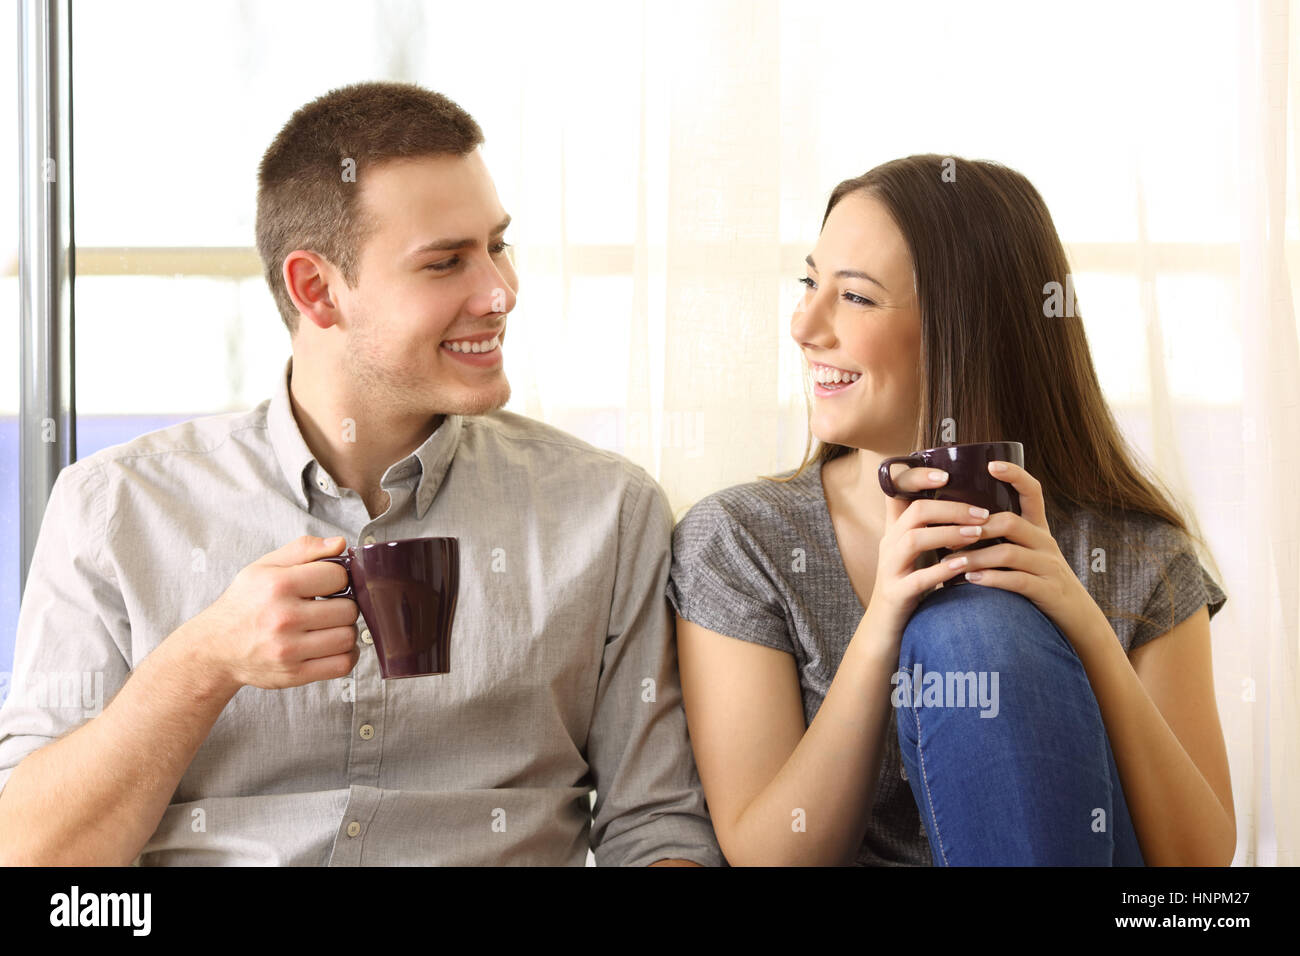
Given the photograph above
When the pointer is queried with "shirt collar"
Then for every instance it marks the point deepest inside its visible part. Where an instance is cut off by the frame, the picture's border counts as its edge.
(432, 458)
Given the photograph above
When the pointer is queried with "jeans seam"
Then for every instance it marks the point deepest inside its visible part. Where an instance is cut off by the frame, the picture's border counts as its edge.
(929, 797)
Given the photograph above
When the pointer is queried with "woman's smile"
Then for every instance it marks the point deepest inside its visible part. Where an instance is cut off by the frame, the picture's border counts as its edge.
(831, 380)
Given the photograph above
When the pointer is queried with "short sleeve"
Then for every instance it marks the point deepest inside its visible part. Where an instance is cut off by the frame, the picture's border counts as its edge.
(723, 579)
(1179, 585)
(69, 652)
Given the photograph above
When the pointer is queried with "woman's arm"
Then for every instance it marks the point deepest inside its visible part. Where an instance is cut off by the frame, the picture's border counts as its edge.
(1158, 709)
(1164, 731)
(781, 794)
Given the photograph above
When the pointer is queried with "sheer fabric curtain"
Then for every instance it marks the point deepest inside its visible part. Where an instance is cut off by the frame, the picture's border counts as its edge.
(1264, 732)
(655, 286)
(668, 172)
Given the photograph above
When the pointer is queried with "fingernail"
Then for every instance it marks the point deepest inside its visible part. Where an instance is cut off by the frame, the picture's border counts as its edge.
(971, 530)
(999, 466)
(957, 563)
(979, 512)
(937, 476)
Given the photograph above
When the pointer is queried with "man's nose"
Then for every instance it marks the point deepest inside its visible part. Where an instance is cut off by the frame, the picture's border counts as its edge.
(496, 290)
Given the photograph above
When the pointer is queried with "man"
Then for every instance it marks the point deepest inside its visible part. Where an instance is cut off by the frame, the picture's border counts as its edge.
(250, 726)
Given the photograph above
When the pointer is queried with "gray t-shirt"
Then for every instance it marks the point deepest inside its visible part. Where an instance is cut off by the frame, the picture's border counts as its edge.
(760, 562)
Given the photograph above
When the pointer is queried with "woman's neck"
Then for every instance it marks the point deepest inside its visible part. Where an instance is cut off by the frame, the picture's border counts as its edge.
(851, 482)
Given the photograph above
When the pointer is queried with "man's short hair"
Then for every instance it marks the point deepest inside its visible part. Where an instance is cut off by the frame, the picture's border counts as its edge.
(309, 176)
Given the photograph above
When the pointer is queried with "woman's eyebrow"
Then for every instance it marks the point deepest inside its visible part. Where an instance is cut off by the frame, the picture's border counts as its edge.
(848, 273)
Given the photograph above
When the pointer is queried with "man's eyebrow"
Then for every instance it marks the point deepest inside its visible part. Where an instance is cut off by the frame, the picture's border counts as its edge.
(441, 245)
(848, 273)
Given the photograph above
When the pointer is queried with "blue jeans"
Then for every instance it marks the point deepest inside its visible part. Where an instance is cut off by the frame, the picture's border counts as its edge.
(1005, 750)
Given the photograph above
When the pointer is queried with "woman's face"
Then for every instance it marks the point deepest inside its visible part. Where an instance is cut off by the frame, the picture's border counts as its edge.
(859, 318)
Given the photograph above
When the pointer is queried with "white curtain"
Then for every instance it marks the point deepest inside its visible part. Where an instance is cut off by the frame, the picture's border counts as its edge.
(1262, 715)
(668, 172)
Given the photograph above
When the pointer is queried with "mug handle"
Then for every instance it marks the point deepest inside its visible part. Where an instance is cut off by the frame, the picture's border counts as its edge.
(345, 562)
(887, 483)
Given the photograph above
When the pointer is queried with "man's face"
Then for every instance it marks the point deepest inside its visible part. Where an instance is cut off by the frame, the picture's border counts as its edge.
(435, 271)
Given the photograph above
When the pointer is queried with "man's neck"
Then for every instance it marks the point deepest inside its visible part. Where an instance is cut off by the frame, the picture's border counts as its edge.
(349, 436)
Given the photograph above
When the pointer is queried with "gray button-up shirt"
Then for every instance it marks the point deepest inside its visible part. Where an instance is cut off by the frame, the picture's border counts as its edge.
(563, 667)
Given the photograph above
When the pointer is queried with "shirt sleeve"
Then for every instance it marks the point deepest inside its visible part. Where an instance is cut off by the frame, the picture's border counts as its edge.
(722, 580)
(73, 638)
(649, 800)
(1180, 585)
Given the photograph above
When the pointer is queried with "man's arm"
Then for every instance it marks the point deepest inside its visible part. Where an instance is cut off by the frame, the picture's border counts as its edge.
(96, 795)
(93, 793)
(81, 785)
(649, 802)
(79, 790)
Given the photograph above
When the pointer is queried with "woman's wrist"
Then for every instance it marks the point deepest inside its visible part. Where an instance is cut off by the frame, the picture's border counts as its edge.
(881, 631)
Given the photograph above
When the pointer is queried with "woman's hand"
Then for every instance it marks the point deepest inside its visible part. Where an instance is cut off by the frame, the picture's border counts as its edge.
(1035, 567)
(899, 587)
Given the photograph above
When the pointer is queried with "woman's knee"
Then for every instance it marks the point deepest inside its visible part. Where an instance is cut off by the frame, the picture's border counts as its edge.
(970, 624)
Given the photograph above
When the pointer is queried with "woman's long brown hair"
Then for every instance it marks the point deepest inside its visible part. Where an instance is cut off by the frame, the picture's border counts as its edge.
(997, 364)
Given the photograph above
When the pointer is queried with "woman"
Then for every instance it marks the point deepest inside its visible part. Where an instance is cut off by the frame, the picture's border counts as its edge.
(802, 600)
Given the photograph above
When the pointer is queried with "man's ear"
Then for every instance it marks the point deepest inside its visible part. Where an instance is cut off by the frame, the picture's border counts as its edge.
(307, 279)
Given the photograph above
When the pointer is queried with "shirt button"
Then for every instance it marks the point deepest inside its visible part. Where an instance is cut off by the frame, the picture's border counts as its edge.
(354, 828)
(365, 636)
(322, 483)
(367, 731)
(370, 539)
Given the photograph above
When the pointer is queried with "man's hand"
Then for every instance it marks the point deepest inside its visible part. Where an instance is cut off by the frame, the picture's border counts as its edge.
(268, 630)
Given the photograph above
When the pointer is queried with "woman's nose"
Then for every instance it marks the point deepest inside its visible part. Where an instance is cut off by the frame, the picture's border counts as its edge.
(808, 324)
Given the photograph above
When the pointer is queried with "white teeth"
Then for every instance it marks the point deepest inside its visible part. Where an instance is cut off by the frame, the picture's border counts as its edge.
(487, 346)
(824, 375)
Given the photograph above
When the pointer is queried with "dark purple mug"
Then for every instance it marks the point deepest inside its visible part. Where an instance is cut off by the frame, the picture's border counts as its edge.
(969, 481)
(407, 592)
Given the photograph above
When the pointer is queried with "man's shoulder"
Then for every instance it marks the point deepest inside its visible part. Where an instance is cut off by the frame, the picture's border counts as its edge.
(162, 447)
(534, 444)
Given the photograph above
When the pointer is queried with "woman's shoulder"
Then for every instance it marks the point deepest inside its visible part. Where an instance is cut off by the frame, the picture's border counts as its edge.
(727, 574)
(1139, 564)
(1142, 533)
(757, 509)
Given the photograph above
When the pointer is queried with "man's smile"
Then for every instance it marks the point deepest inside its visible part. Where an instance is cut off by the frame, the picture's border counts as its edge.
(483, 349)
